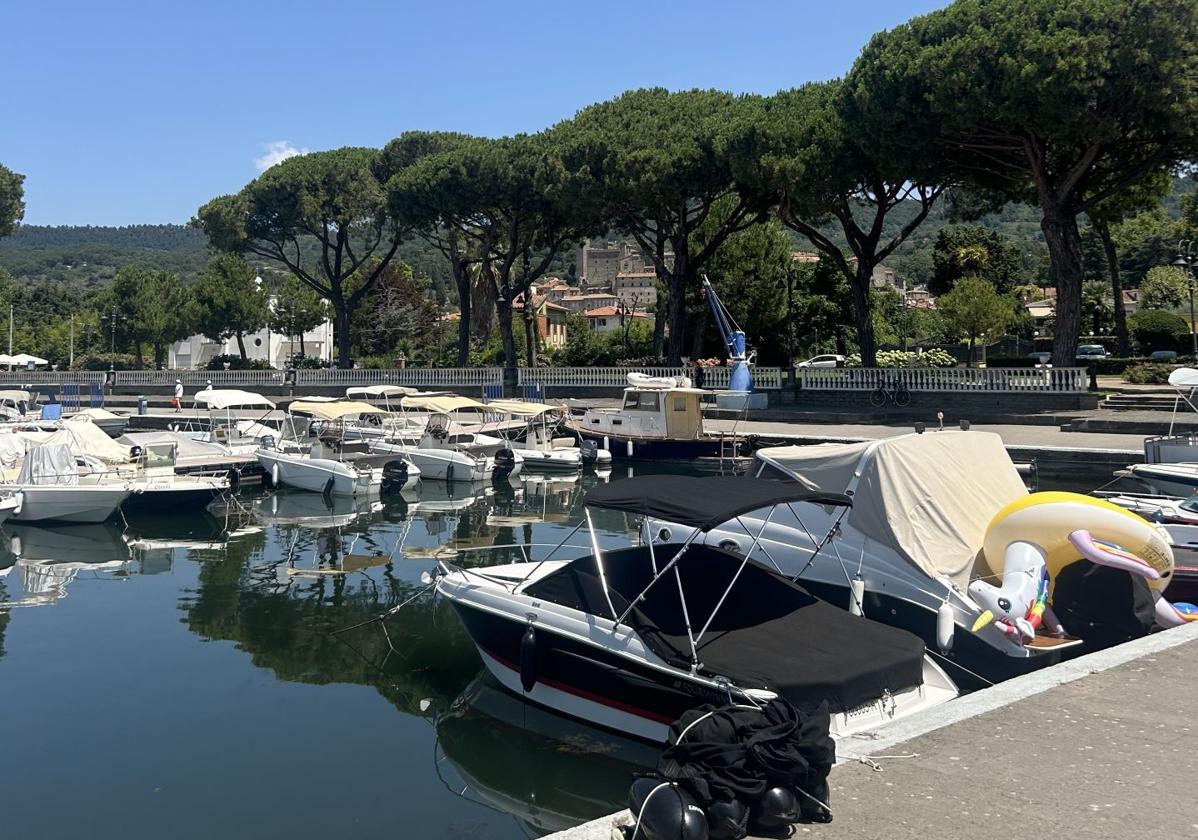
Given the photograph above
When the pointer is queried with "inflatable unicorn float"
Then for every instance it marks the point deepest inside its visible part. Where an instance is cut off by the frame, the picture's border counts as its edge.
(1031, 540)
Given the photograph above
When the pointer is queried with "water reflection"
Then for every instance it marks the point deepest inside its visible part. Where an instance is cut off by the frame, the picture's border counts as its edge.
(46, 560)
(548, 772)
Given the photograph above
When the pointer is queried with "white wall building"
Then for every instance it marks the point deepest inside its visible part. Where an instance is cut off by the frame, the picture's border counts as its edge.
(195, 352)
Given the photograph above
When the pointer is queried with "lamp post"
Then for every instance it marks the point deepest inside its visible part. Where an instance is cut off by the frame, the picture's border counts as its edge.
(1185, 260)
(114, 316)
(790, 353)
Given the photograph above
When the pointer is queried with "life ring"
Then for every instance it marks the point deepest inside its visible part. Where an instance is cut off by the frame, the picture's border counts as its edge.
(1033, 538)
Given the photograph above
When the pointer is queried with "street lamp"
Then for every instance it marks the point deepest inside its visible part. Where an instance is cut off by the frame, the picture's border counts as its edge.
(114, 316)
(1185, 260)
(790, 353)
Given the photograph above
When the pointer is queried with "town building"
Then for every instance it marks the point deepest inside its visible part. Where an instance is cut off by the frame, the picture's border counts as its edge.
(551, 320)
(608, 319)
(592, 300)
(636, 289)
(596, 268)
(275, 348)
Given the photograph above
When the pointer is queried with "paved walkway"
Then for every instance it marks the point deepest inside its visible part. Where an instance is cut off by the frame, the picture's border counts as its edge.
(1038, 436)
(1104, 746)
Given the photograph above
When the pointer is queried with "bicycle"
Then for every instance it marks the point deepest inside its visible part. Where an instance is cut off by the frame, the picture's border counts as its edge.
(896, 392)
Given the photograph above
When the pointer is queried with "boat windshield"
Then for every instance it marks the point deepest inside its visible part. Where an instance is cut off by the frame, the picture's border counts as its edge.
(642, 401)
(1190, 504)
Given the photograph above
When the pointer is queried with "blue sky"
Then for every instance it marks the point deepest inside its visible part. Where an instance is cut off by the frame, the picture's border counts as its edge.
(125, 112)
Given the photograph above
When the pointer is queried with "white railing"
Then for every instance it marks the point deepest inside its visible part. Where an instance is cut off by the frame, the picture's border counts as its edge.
(218, 378)
(414, 377)
(50, 377)
(617, 377)
(966, 380)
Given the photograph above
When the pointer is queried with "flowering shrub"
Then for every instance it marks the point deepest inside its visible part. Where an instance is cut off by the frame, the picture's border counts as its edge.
(898, 358)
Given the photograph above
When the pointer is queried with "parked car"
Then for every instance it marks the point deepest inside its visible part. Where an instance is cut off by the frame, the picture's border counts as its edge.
(1163, 355)
(1091, 353)
(828, 360)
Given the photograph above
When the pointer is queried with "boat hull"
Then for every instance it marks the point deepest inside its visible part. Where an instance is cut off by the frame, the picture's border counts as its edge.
(69, 503)
(320, 475)
(623, 447)
(191, 496)
(1167, 479)
(441, 464)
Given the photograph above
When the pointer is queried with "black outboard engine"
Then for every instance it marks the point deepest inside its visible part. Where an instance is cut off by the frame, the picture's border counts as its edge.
(505, 462)
(395, 475)
(665, 811)
(589, 450)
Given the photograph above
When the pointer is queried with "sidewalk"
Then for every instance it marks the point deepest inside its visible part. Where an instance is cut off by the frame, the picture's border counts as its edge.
(1104, 746)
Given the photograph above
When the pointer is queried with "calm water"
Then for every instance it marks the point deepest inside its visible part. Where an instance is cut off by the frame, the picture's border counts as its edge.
(181, 678)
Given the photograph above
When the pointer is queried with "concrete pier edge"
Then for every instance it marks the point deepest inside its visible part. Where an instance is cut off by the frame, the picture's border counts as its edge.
(868, 744)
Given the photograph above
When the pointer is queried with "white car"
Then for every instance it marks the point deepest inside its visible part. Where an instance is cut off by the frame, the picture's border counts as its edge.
(828, 360)
(1091, 352)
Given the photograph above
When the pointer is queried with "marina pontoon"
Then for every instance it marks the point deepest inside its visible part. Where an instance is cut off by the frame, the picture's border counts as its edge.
(629, 639)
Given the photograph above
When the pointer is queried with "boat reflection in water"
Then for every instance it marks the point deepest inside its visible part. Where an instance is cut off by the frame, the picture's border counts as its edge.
(47, 560)
(547, 771)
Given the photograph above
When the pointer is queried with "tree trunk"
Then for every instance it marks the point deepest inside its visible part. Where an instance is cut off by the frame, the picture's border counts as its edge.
(504, 310)
(461, 279)
(138, 360)
(303, 352)
(241, 346)
(862, 314)
(678, 285)
(660, 313)
(1112, 262)
(969, 358)
(1065, 252)
(530, 331)
(341, 327)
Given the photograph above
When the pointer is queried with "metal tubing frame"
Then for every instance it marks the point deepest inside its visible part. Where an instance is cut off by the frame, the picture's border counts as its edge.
(735, 577)
(599, 564)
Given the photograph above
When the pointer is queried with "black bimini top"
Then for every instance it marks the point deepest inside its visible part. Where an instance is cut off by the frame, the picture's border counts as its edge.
(702, 502)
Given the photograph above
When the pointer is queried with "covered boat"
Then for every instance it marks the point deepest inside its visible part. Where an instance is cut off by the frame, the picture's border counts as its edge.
(629, 639)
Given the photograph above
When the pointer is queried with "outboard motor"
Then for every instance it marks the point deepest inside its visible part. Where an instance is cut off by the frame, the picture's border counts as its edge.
(589, 450)
(664, 811)
(267, 441)
(395, 474)
(505, 462)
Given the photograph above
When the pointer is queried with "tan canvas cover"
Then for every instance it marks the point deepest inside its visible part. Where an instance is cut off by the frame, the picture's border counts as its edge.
(332, 410)
(445, 404)
(928, 496)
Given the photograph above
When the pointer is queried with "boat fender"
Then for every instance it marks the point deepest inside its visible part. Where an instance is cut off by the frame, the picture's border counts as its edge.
(449, 471)
(777, 808)
(946, 627)
(274, 475)
(857, 596)
(328, 487)
(727, 819)
(20, 494)
(664, 811)
(628, 446)
(606, 444)
(528, 658)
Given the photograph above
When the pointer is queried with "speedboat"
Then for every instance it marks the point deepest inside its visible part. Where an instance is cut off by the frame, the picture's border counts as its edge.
(536, 442)
(1168, 479)
(942, 533)
(48, 489)
(238, 435)
(629, 639)
(661, 418)
(157, 487)
(317, 457)
(446, 453)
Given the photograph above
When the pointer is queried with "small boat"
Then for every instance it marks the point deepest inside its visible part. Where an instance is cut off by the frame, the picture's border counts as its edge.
(18, 406)
(446, 452)
(536, 442)
(938, 521)
(629, 639)
(1168, 479)
(48, 489)
(158, 488)
(660, 419)
(317, 457)
(113, 425)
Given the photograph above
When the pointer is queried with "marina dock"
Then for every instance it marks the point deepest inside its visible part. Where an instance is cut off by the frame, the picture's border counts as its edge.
(1101, 746)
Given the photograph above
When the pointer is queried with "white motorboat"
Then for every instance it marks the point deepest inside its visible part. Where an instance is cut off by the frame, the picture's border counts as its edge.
(317, 457)
(111, 424)
(447, 413)
(157, 487)
(1168, 479)
(19, 406)
(911, 548)
(630, 639)
(537, 444)
(445, 452)
(48, 489)
(225, 426)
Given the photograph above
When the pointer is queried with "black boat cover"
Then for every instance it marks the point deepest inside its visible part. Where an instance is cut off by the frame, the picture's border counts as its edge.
(702, 502)
(769, 632)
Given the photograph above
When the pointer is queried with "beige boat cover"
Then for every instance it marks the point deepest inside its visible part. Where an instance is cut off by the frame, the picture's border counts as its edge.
(82, 437)
(930, 496)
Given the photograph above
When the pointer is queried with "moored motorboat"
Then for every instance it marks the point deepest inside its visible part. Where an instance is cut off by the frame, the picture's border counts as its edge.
(630, 639)
(941, 534)
(536, 442)
(315, 455)
(48, 489)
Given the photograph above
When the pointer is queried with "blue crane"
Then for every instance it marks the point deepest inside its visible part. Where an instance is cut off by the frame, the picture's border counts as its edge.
(740, 378)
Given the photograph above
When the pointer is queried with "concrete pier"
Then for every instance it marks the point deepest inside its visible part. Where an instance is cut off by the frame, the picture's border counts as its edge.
(1104, 746)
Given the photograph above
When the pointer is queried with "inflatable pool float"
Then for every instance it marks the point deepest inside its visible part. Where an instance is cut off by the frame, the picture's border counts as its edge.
(1033, 538)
